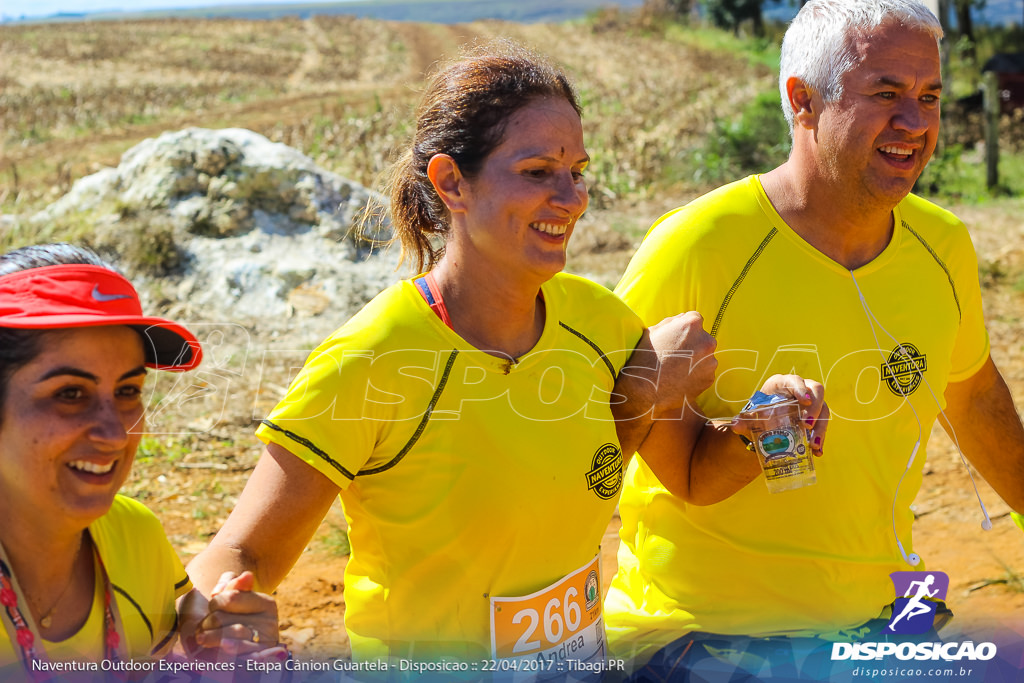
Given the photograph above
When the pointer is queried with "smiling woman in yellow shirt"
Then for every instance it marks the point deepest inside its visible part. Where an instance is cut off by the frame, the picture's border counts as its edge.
(88, 580)
(465, 417)
(86, 575)
(488, 492)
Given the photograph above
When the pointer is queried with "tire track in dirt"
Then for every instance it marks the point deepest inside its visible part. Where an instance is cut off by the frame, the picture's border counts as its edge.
(312, 58)
(430, 43)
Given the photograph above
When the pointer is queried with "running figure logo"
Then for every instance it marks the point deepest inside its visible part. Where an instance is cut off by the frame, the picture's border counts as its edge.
(917, 594)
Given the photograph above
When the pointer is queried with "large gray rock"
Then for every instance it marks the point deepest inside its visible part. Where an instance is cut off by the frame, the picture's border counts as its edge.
(225, 183)
(259, 232)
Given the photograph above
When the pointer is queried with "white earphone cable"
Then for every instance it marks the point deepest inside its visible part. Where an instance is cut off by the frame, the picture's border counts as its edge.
(912, 559)
(987, 522)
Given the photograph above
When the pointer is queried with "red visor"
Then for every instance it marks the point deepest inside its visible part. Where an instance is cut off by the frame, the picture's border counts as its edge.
(54, 297)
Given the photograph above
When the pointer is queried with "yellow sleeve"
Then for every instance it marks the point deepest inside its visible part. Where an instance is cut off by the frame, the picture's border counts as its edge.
(357, 388)
(320, 419)
(653, 284)
(971, 349)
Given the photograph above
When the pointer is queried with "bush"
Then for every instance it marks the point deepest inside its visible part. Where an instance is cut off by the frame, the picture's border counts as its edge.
(755, 142)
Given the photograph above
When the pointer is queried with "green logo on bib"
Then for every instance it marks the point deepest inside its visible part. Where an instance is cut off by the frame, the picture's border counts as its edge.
(592, 591)
(605, 476)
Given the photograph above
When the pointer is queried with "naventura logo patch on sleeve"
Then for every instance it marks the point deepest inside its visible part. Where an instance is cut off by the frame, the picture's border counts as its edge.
(605, 475)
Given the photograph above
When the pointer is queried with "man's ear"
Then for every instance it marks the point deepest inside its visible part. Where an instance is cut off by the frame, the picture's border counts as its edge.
(803, 103)
(448, 181)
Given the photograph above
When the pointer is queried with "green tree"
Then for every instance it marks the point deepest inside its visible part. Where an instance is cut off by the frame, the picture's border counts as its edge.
(730, 14)
(677, 9)
(965, 24)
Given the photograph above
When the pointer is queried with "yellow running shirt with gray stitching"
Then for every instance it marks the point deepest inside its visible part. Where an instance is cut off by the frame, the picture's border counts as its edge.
(814, 560)
(463, 475)
(146, 578)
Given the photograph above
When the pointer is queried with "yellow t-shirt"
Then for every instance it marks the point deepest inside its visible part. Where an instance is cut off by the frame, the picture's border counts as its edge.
(463, 475)
(817, 559)
(146, 578)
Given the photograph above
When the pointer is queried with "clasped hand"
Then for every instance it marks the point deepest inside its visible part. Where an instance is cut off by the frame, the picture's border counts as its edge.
(686, 360)
(236, 620)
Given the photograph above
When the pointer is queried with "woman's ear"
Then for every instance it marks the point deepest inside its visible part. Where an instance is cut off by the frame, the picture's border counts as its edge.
(448, 181)
(803, 103)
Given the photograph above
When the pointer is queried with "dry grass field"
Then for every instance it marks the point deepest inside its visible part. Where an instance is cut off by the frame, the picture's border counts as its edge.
(74, 97)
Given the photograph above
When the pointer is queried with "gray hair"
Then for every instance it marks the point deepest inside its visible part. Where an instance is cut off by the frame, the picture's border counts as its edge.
(817, 47)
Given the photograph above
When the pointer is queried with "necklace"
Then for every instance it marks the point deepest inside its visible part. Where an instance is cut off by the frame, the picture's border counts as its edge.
(26, 639)
(46, 620)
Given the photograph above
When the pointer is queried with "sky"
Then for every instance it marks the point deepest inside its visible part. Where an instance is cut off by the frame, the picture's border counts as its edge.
(40, 8)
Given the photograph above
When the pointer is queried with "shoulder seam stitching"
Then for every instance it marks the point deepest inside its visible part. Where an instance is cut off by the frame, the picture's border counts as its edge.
(945, 269)
(739, 280)
(423, 422)
(312, 447)
(169, 637)
(135, 605)
(593, 345)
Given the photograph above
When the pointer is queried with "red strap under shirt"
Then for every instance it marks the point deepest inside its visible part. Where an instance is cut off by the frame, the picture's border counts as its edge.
(431, 293)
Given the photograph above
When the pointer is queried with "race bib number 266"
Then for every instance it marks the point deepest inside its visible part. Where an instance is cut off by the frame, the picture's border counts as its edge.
(558, 623)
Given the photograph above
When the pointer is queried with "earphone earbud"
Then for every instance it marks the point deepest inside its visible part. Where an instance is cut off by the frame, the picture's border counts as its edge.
(913, 559)
(987, 524)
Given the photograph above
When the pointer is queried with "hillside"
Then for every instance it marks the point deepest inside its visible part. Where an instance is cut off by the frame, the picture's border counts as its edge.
(662, 105)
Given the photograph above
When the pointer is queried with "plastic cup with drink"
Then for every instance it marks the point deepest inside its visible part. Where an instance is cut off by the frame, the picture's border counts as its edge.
(779, 439)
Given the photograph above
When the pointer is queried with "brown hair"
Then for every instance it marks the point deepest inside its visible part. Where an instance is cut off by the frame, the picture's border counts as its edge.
(463, 113)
